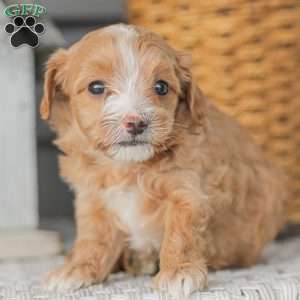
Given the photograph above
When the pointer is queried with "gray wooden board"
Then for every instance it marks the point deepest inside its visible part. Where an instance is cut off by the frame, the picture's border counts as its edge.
(18, 179)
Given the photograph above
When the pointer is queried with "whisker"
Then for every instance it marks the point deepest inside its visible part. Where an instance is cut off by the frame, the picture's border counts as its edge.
(117, 136)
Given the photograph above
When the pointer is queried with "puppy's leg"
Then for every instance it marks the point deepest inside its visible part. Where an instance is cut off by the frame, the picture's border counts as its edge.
(97, 248)
(182, 263)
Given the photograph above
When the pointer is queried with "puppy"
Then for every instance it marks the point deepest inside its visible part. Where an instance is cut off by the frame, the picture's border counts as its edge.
(159, 173)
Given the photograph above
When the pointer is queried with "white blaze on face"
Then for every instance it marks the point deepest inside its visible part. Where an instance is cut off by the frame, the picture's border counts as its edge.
(128, 98)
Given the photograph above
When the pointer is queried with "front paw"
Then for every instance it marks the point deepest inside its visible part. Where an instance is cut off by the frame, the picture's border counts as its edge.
(181, 282)
(71, 276)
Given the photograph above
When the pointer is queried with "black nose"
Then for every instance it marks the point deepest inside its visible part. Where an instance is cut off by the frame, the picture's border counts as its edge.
(136, 127)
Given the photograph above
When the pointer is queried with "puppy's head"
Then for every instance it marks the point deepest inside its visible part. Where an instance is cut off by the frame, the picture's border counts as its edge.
(126, 89)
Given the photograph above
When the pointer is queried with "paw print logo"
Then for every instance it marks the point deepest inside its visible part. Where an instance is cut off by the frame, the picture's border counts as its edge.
(24, 31)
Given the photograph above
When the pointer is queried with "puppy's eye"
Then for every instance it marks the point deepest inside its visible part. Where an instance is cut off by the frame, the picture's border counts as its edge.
(96, 87)
(161, 87)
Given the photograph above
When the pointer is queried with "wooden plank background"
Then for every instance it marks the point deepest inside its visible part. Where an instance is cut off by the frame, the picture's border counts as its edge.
(18, 178)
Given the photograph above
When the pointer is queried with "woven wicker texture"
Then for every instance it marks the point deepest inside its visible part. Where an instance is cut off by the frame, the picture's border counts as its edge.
(276, 278)
(246, 57)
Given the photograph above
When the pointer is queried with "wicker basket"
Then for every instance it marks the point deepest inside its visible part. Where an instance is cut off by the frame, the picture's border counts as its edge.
(246, 57)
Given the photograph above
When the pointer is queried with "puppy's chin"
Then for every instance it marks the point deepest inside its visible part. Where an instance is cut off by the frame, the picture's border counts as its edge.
(131, 153)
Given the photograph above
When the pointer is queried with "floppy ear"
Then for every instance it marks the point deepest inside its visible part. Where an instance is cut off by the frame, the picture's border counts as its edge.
(190, 92)
(54, 77)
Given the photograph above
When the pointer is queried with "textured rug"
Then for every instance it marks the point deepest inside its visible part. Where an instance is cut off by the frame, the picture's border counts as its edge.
(276, 277)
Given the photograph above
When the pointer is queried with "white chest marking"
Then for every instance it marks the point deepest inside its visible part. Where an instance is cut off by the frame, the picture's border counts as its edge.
(126, 203)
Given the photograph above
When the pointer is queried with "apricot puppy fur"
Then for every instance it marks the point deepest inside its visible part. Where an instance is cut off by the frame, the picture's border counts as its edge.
(159, 173)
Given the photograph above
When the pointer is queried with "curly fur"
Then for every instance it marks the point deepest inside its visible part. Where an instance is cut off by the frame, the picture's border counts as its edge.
(197, 194)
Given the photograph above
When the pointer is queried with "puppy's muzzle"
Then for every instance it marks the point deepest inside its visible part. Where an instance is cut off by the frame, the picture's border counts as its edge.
(134, 124)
